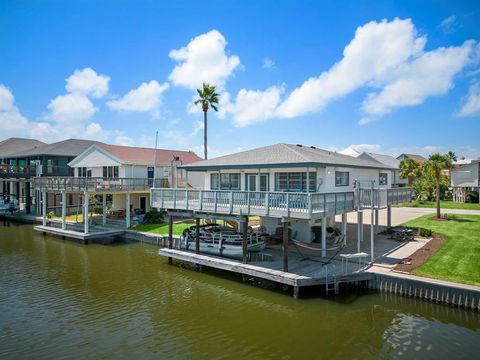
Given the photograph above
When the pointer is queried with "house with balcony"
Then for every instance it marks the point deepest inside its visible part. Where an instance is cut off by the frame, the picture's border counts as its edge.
(119, 179)
(465, 182)
(283, 181)
(21, 160)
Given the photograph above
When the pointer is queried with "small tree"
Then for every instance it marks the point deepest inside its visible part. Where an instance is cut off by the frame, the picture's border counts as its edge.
(433, 167)
(410, 170)
(207, 96)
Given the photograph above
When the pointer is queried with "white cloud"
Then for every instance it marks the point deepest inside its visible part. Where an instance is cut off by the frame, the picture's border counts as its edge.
(146, 98)
(430, 74)
(268, 63)
(71, 107)
(87, 82)
(124, 140)
(447, 24)
(471, 104)
(203, 59)
(375, 52)
(12, 122)
(252, 106)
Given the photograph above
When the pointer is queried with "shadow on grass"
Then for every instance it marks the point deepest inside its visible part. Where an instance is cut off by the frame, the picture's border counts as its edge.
(454, 219)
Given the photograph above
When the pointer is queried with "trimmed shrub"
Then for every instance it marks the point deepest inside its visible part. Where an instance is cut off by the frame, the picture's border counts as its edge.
(154, 216)
(425, 232)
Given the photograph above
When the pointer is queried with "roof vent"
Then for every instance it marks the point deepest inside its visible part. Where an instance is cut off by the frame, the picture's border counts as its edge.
(299, 145)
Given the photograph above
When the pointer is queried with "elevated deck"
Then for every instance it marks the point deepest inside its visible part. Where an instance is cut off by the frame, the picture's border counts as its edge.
(96, 184)
(255, 203)
(381, 198)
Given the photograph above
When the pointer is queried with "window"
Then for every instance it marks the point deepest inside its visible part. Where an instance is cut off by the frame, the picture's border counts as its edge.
(295, 181)
(82, 172)
(225, 181)
(383, 179)
(110, 171)
(342, 178)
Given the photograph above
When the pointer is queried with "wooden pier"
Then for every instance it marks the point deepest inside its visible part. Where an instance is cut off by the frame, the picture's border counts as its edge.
(78, 235)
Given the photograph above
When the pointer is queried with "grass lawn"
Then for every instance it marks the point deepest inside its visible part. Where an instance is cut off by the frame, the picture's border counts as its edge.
(459, 258)
(443, 205)
(163, 228)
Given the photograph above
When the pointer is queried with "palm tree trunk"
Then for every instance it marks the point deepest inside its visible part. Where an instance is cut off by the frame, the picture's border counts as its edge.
(438, 197)
(205, 134)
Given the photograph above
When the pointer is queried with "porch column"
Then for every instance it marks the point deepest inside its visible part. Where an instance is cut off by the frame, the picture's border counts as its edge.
(85, 211)
(389, 216)
(170, 236)
(359, 229)
(104, 209)
(324, 237)
(285, 246)
(372, 234)
(44, 208)
(257, 181)
(245, 240)
(197, 236)
(127, 210)
(344, 228)
(64, 210)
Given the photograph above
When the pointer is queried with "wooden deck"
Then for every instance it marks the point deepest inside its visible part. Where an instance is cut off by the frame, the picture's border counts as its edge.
(72, 234)
(302, 272)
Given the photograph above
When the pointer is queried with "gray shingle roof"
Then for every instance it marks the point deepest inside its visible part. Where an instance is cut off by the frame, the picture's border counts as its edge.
(14, 145)
(417, 158)
(70, 147)
(383, 159)
(283, 155)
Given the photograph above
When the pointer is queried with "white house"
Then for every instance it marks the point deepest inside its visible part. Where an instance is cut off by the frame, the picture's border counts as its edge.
(293, 169)
(133, 165)
(465, 178)
(389, 161)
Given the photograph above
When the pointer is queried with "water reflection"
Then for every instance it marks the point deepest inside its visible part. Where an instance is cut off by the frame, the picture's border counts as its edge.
(69, 300)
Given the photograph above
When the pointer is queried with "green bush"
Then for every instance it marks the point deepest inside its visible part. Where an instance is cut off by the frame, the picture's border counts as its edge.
(154, 216)
(425, 232)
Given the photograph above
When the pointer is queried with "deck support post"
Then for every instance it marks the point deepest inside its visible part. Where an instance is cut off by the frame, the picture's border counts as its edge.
(28, 197)
(324, 237)
(197, 235)
(64, 210)
(104, 209)
(359, 229)
(296, 292)
(127, 211)
(372, 234)
(376, 221)
(285, 245)
(170, 236)
(44, 207)
(245, 240)
(344, 228)
(85, 212)
(389, 216)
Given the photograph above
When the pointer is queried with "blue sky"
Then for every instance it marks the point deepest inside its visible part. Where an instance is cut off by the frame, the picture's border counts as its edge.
(381, 75)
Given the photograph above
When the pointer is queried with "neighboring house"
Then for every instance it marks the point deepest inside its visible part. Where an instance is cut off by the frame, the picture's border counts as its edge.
(293, 169)
(465, 178)
(134, 165)
(388, 161)
(418, 158)
(23, 159)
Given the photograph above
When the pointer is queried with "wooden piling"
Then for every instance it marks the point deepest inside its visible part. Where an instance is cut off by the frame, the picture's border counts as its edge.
(197, 236)
(170, 235)
(285, 246)
(245, 240)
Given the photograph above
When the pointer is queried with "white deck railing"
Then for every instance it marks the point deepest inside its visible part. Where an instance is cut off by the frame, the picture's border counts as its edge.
(382, 198)
(95, 184)
(256, 203)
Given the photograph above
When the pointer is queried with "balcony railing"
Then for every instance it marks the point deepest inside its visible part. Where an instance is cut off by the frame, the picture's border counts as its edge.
(96, 184)
(381, 198)
(256, 203)
(8, 170)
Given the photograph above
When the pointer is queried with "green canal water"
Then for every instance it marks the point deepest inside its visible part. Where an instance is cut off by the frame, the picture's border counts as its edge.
(59, 299)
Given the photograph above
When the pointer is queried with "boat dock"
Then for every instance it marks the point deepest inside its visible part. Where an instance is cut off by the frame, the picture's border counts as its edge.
(93, 234)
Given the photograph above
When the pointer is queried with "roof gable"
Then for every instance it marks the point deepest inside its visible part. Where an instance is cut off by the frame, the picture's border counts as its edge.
(95, 156)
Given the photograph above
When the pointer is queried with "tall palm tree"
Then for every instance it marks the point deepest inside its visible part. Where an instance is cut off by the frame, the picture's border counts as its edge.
(207, 96)
(410, 170)
(434, 166)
